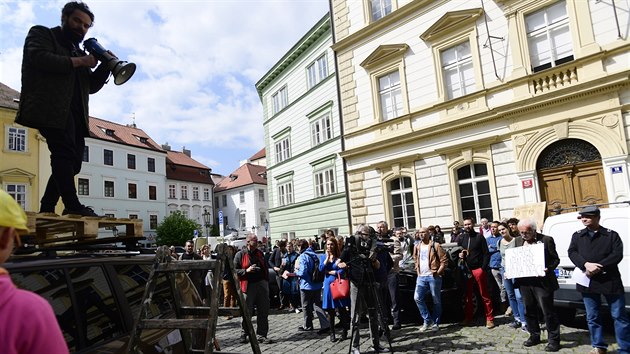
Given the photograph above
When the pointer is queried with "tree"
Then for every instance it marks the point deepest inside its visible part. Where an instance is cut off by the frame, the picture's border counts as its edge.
(175, 229)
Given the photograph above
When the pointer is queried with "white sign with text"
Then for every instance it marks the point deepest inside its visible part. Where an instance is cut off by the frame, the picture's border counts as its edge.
(526, 261)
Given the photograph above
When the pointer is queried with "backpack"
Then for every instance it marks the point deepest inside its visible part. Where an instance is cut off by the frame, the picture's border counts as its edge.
(317, 276)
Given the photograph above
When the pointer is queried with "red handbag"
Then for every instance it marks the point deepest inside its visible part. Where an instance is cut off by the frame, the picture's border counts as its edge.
(340, 288)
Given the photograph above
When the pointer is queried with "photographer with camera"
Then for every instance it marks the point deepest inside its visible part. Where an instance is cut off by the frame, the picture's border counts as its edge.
(359, 256)
(476, 258)
(389, 259)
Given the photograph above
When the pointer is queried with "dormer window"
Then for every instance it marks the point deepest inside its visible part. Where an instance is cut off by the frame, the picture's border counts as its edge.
(233, 177)
(109, 132)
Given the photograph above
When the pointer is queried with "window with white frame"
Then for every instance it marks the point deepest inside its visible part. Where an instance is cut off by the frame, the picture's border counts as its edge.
(263, 217)
(153, 222)
(108, 189)
(243, 220)
(549, 37)
(16, 139)
(474, 191)
(195, 191)
(172, 191)
(83, 186)
(206, 194)
(184, 192)
(283, 150)
(152, 192)
(403, 205)
(108, 157)
(150, 164)
(261, 195)
(285, 193)
(321, 130)
(279, 100)
(18, 192)
(390, 94)
(241, 196)
(458, 70)
(317, 71)
(324, 182)
(380, 8)
(224, 200)
(132, 190)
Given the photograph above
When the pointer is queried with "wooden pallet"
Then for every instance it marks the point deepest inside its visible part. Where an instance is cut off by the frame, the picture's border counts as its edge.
(50, 227)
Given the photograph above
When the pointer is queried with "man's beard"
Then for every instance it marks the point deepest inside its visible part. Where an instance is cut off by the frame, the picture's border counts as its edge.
(71, 35)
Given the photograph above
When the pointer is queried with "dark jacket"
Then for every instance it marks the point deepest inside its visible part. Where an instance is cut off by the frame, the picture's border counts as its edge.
(549, 282)
(275, 260)
(605, 248)
(48, 80)
(478, 255)
(255, 257)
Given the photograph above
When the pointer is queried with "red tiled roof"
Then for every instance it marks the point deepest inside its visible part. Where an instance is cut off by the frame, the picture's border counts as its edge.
(121, 134)
(245, 175)
(179, 158)
(259, 155)
(7, 95)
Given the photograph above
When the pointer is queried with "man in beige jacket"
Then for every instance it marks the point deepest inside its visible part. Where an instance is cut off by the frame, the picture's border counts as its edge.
(431, 262)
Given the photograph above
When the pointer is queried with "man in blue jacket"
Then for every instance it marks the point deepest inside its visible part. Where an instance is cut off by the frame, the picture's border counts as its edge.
(310, 291)
(597, 251)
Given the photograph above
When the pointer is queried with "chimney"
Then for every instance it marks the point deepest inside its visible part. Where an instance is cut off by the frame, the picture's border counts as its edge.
(166, 147)
(186, 151)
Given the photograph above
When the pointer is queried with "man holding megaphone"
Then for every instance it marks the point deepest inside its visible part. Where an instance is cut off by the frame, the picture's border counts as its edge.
(57, 79)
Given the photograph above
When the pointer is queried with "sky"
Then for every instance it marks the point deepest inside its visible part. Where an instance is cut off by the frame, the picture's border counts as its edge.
(197, 64)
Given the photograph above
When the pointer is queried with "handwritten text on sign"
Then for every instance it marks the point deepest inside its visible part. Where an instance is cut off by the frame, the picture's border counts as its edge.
(526, 261)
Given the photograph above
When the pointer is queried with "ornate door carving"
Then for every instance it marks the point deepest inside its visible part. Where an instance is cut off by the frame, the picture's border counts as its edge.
(570, 174)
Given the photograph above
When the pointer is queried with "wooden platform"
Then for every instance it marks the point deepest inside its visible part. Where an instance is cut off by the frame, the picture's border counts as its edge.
(50, 227)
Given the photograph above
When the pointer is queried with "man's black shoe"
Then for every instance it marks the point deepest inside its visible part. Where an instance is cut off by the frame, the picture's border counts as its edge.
(532, 341)
(379, 349)
(396, 326)
(304, 329)
(552, 347)
(324, 330)
(83, 211)
(243, 339)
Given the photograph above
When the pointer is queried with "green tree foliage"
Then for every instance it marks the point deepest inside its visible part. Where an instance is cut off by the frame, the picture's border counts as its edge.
(176, 229)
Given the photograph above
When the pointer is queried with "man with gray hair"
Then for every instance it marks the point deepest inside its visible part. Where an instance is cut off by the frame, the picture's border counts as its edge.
(537, 292)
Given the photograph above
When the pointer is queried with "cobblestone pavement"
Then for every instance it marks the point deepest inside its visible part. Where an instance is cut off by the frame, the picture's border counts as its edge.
(451, 338)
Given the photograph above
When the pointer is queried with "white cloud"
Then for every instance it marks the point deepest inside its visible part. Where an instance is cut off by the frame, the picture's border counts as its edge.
(197, 63)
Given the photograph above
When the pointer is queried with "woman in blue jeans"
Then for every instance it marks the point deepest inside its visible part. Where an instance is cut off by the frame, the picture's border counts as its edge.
(514, 295)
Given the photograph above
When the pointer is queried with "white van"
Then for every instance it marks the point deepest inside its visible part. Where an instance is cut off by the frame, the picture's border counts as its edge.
(561, 228)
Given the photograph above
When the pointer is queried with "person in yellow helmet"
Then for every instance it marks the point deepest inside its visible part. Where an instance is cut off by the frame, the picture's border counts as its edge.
(27, 321)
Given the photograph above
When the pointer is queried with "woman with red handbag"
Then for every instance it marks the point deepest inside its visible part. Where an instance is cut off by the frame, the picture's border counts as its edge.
(328, 264)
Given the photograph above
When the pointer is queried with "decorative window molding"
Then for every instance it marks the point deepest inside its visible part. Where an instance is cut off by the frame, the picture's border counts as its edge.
(399, 190)
(386, 68)
(454, 77)
(471, 157)
(374, 10)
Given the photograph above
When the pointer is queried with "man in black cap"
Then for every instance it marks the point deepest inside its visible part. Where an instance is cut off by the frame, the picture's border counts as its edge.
(597, 251)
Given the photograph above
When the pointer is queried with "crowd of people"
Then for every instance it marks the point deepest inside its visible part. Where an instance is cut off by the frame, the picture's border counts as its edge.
(371, 260)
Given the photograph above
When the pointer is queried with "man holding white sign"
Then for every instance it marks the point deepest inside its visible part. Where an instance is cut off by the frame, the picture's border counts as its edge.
(537, 289)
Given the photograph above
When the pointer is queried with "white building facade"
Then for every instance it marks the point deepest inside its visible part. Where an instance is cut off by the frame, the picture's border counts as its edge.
(123, 175)
(453, 109)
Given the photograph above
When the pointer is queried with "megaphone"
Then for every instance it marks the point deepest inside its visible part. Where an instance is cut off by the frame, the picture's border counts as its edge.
(121, 70)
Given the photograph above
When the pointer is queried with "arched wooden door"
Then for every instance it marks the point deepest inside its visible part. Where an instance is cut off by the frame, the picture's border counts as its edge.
(570, 174)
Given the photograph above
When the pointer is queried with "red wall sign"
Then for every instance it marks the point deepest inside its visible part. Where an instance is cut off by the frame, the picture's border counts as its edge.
(528, 183)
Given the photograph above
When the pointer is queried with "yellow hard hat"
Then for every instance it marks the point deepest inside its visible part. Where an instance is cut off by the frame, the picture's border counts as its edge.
(11, 213)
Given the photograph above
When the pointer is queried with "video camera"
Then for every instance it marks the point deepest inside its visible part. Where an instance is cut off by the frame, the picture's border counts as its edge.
(365, 247)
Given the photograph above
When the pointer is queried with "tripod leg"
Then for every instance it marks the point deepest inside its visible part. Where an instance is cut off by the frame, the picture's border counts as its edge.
(356, 300)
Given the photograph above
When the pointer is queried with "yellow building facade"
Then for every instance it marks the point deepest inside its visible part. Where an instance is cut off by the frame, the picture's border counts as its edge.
(21, 159)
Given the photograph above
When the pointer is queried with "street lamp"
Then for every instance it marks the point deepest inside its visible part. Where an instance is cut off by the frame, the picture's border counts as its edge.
(206, 220)
(266, 226)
